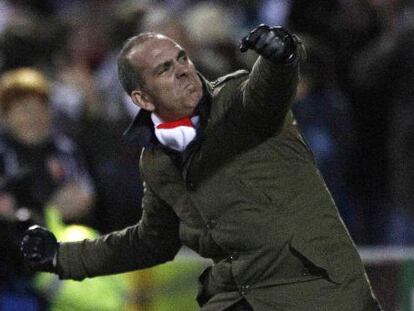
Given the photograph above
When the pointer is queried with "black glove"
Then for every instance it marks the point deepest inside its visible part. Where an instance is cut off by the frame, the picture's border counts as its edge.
(39, 247)
(273, 43)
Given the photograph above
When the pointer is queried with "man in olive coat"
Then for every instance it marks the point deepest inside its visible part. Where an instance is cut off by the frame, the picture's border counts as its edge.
(227, 174)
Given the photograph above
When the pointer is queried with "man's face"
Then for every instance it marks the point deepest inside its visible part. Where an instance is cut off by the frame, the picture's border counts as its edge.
(172, 88)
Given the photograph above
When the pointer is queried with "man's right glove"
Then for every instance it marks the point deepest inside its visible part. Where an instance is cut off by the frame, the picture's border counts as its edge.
(273, 43)
(39, 247)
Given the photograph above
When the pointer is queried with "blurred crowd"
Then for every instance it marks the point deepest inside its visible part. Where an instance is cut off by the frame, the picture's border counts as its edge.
(63, 112)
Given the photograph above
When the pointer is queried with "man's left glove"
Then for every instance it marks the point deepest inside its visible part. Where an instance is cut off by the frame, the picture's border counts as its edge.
(39, 247)
(273, 43)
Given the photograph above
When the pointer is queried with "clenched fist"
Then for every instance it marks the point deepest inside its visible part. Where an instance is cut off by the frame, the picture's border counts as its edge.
(273, 43)
(39, 247)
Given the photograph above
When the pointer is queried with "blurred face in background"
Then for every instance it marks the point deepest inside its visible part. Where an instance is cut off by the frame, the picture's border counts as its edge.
(28, 119)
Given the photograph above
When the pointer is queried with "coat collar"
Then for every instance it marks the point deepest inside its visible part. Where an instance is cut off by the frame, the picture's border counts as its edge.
(140, 132)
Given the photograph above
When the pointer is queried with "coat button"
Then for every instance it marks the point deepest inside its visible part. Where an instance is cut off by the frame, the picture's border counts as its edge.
(305, 272)
(190, 186)
(211, 224)
(244, 289)
(233, 256)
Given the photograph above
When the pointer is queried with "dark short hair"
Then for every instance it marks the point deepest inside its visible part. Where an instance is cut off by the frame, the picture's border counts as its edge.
(129, 73)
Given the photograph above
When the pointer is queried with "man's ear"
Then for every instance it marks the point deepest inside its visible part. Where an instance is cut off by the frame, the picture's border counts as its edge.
(142, 100)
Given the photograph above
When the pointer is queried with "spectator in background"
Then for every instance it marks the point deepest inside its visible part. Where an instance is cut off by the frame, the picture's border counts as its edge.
(87, 104)
(86, 100)
(212, 27)
(48, 167)
(400, 144)
(383, 87)
(370, 170)
(347, 28)
(384, 79)
(30, 41)
(125, 21)
(26, 40)
(37, 169)
(274, 11)
(161, 20)
(323, 113)
(114, 161)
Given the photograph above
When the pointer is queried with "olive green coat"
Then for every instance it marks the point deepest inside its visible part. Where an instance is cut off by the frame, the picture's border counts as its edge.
(247, 194)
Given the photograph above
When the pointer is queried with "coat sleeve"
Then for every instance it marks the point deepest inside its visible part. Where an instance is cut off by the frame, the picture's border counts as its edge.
(269, 92)
(154, 240)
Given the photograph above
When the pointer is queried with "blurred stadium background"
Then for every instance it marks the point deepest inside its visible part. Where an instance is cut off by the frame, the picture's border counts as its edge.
(355, 105)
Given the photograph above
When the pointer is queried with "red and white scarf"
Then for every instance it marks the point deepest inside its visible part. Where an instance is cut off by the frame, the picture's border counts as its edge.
(175, 134)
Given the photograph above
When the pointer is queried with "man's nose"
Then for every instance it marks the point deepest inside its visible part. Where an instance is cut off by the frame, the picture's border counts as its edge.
(181, 70)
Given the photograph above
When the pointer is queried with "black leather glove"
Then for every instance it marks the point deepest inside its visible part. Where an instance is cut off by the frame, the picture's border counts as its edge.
(273, 43)
(39, 247)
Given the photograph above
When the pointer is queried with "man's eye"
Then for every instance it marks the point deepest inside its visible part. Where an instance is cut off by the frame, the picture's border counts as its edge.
(183, 58)
(164, 68)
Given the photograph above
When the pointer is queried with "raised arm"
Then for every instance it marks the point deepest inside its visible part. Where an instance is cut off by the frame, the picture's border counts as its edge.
(152, 241)
(269, 91)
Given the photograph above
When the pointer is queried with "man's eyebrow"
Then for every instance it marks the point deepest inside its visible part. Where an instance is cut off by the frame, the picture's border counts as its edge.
(180, 54)
(161, 65)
